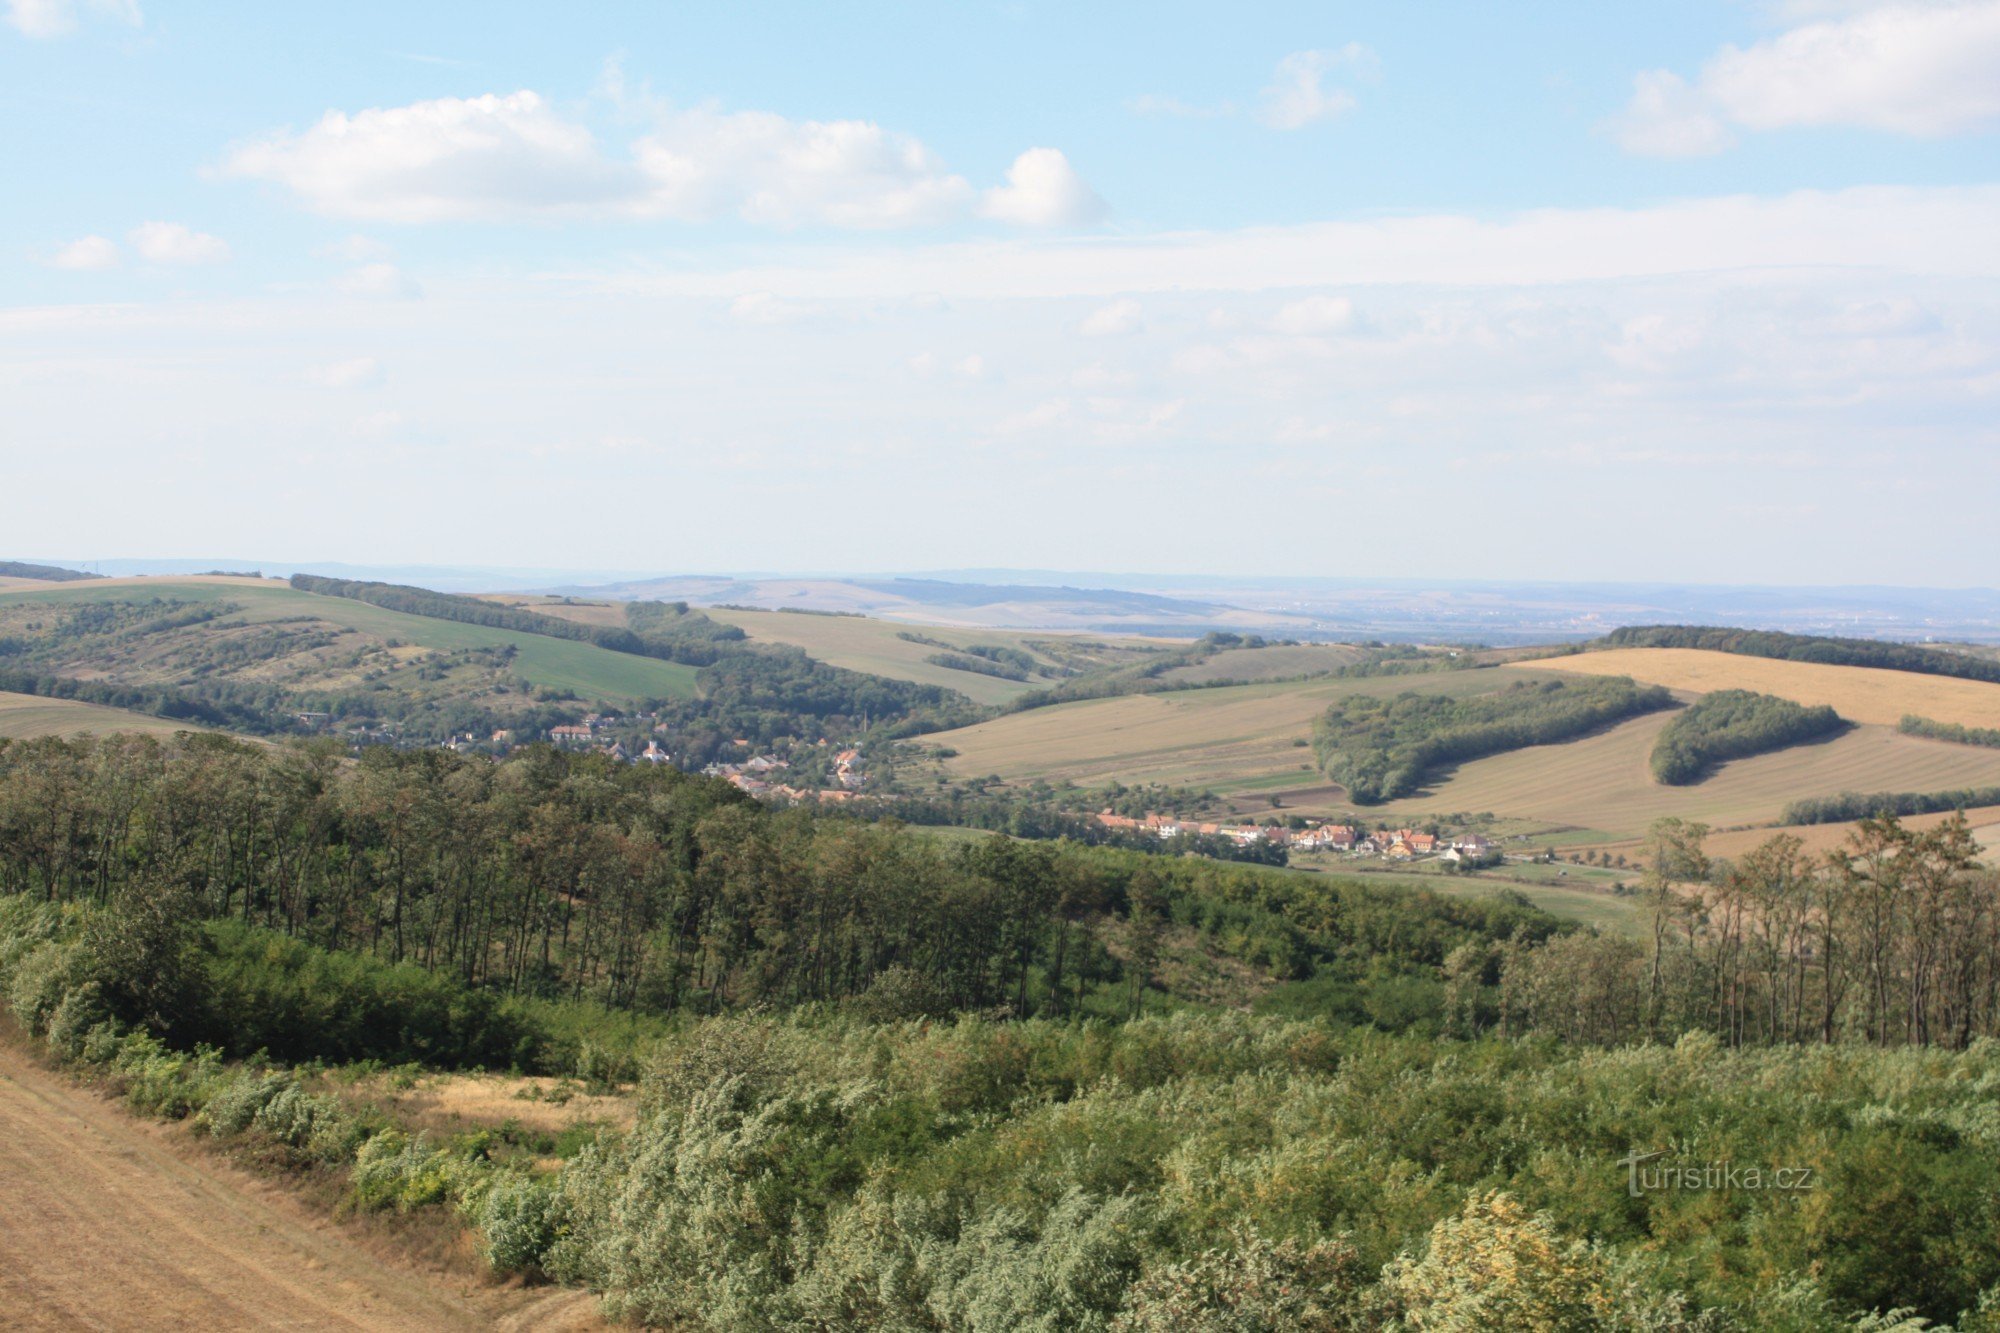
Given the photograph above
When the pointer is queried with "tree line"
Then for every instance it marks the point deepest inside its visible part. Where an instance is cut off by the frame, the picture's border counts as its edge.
(1847, 806)
(1932, 729)
(1382, 748)
(1825, 649)
(1733, 724)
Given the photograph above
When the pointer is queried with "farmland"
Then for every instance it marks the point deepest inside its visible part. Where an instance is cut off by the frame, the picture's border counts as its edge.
(1234, 737)
(1859, 694)
(1243, 742)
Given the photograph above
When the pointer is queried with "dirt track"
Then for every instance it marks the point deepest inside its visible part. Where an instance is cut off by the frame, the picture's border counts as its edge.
(104, 1225)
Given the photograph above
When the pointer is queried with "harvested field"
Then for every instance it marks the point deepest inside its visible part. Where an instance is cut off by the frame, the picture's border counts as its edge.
(107, 1223)
(1221, 738)
(1859, 694)
(1605, 782)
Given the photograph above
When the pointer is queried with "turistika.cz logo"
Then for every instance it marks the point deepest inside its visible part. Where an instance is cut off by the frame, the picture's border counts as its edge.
(1648, 1173)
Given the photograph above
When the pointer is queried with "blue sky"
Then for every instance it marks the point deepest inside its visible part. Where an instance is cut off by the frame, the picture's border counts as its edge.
(1690, 291)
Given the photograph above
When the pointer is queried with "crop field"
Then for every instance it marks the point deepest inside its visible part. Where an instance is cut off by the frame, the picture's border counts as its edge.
(23, 716)
(1859, 694)
(1229, 738)
(1604, 782)
(1242, 742)
(872, 646)
(591, 672)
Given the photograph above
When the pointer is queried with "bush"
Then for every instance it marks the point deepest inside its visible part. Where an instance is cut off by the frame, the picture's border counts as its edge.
(521, 1219)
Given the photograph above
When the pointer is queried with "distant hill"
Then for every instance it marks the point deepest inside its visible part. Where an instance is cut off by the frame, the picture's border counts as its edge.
(968, 605)
(19, 569)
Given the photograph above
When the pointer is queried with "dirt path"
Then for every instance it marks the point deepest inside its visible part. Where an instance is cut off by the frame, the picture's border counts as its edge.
(103, 1225)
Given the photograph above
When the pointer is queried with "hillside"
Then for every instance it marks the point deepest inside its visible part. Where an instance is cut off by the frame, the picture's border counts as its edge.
(262, 645)
(1250, 744)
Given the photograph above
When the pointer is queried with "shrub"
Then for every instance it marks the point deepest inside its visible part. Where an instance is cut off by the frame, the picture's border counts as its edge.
(521, 1219)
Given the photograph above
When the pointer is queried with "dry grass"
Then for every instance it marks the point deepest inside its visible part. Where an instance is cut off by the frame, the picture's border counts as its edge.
(453, 1102)
(1859, 694)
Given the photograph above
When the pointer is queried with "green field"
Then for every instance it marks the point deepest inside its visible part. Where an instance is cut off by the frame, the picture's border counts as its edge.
(24, 716)
(587, 670)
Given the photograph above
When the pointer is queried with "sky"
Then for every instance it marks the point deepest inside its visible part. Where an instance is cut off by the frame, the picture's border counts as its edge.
(1682, 291)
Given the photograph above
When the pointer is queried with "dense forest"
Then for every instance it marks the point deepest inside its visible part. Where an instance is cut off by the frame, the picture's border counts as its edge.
(1930, 728)
(886, 1083)
(1382, 748)
(1804, 648)
(559, 875)
(1733, 724)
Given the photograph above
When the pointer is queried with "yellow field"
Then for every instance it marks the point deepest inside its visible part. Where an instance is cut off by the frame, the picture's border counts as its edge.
(1604, 782)
(1859, 694)
(23, 716)
(1215, 738)
(1985, 822)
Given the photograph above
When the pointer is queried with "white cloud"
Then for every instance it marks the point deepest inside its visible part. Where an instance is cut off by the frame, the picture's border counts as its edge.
(1043, 190)
(701, 163)
(517, 156)
(55, 18)
(89, 252)
(1913, 69)
(357, 373)
(1313, 315)
(381, 282)
(172, 243)
(451, 158)
(1118, 317)
(1297, 94)
(971, 367)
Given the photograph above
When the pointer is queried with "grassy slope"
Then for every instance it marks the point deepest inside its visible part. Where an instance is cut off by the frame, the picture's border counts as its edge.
(1275, 663)
(590, 671)
(23, 716)
(1859, 694)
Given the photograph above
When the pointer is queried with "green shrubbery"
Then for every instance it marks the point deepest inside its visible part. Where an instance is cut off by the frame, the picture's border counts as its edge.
(1732, 724)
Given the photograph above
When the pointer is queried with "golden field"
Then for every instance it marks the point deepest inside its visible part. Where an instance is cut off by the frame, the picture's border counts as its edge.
(1859, 694)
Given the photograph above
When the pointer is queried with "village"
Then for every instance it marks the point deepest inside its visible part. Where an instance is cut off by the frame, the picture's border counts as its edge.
(1403, 844)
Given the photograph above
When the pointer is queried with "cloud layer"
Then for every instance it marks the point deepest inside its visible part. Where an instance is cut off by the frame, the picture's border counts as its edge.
(1923, 70)
(517, 156)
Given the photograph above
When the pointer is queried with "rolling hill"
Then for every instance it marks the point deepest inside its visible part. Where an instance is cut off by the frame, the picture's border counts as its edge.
(263, 648)
(24, 716)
